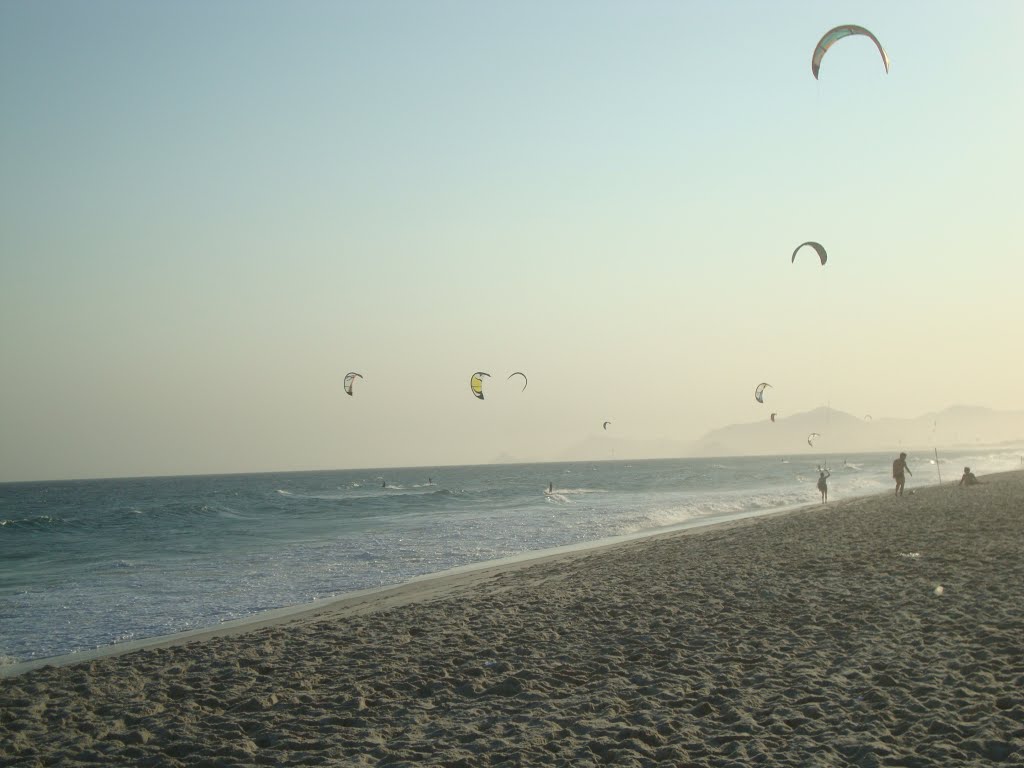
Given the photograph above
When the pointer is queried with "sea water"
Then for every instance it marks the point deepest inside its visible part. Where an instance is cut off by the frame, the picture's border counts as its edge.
(85, 564)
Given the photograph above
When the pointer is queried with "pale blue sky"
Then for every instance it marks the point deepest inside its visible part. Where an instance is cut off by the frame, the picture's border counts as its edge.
(209, 212)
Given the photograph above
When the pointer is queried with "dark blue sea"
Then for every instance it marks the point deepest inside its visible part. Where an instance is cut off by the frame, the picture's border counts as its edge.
(88, 563)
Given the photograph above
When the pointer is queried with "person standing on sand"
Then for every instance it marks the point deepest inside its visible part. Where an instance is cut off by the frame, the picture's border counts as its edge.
(823, 476)
(899, 466)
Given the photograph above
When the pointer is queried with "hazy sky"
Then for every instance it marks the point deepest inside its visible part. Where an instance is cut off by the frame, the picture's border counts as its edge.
(210, 212)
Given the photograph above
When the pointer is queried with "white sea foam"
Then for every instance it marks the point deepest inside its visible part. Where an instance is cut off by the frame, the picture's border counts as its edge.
(194, 560)
(560, 498)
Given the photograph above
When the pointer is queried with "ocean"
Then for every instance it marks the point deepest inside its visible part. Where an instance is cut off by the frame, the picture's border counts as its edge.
(85, 564)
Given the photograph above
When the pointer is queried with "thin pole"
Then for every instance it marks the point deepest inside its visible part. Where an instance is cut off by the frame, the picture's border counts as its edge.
(937, 467)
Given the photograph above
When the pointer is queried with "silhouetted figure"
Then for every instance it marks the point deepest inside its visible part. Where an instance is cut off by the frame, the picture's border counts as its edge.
(823, 476)
(968, 478)
(899, 467)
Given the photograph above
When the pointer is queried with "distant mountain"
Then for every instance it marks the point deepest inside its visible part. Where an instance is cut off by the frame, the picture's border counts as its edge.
(957, 427)
(840, 432)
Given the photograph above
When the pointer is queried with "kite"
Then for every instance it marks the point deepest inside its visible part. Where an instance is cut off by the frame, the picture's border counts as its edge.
(867, 417)
(606, 425)
(773, 416)
(476, 383)
(810, 438)
(838, 33)
(525, 380)
(349, 379)
(759, 391)
(816, 246)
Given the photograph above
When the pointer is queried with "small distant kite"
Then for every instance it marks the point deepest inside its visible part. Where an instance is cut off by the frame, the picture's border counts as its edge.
(349, 379)
(773, 416)
(867, 417)
(836, 34)
(811, 438)
(759, 391)
(525, 380)
(816, 246)
(605, 427)
(476, 383)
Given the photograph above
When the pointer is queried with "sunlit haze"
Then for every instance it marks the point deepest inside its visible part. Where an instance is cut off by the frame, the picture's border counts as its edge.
(211, 212)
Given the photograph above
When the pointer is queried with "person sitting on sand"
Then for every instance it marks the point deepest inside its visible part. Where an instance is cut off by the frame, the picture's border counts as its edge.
(968, 478)
(899, 466)
(823, 476)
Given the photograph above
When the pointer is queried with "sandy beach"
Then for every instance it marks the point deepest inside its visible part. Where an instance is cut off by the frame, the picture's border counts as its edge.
(875, 632)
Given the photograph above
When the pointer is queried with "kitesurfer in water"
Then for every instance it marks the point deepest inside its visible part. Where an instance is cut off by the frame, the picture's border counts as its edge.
(823, 476)
(899, 466)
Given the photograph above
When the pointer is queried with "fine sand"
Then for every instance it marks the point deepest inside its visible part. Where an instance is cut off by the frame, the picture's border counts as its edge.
(880, 631)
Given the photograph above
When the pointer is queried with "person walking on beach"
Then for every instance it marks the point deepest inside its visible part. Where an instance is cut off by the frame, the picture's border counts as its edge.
(823, 476)
(899, 466)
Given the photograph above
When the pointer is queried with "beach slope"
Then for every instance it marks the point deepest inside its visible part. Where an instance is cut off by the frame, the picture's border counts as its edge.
(876, 632)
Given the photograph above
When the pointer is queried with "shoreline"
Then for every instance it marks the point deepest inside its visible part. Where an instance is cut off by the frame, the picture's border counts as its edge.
(384, 594)
(818, 636)
(399, 593)
(30, 648)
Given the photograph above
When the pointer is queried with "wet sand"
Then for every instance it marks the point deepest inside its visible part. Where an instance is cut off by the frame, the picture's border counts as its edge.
(876, 632)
